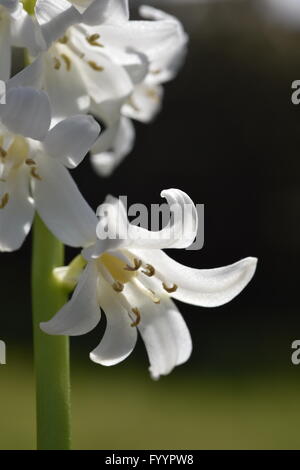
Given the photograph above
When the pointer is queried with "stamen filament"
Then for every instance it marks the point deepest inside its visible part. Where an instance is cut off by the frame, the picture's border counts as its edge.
(137, 264)
(137, 313)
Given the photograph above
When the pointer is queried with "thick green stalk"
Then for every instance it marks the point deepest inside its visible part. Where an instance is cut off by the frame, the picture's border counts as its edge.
(51, 352)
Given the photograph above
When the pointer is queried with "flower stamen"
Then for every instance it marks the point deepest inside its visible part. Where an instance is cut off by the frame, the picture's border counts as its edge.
(149, 270)
(95, 66)
(93, 40)
(137, 313)
(3, 152)
(35, 174)
(136, 267)
(63, 40)
(153, 95)
(171, 289)
(30, 162)
(118, 286)
(4, 200)
(57, 63)
(67, 61)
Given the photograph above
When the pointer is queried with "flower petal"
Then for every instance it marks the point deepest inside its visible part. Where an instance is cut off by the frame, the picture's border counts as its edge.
(27, 112)
(153, 38)
(30, 76)
(65, 100)
(166, 66)
(61, 205)
(179, 233)
(82, 313)
(25, 32)
(112, 147)
(164, 332)
(55, 17)
(71, 139)
(114, 230)
(106, 11)
(202, 287)
(17, 215)
(119, 338)
(144, 103)
(104, 79)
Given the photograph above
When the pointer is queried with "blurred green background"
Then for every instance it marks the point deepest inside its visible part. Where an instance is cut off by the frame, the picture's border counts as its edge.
(122, 408)
(229, 136)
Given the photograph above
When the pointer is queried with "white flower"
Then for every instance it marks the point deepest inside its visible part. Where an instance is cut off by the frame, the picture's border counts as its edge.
(157, 66)
(115, 66)
(33, 169)
(16, 29)
(134, 281)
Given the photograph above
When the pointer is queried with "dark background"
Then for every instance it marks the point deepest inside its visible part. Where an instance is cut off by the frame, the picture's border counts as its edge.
(229, 136)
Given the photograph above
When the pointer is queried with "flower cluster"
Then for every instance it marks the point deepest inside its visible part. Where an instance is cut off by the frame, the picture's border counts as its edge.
(87, 58)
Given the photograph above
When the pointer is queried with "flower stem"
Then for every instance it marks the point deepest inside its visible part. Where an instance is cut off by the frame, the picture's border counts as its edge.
(29, 6)
(51, 352)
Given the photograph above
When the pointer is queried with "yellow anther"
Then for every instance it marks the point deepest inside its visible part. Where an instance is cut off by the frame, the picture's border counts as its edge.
(57, 63)
(93, 40)
(170, 289)
(153, 95)
(63, 40)
(67, 61)
(136, 267)
(35, 174)
(118, 286)
(30, 162)
(3, 152)
(95, 66)
(155, 72)
(4, 200)
(137, 313)
(149, 270)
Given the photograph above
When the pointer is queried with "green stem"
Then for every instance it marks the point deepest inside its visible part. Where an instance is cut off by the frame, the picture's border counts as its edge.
(51, 352)
(29, 6)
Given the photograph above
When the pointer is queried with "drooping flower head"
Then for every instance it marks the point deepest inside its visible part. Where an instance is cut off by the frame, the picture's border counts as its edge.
(115, 66)
(133, 281)
(34, 158)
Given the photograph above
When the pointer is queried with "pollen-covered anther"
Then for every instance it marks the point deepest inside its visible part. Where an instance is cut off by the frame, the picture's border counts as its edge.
(57, 63)
(93, 40)
(67, 61)
(171, 289)
(3, 152)
(118, 286)
(95, 66)
(35, 174)
(63, 40)
(153, 95)
(149, 270)
(30, 162)
(137, 264)
(137, 313)
(4, 200)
